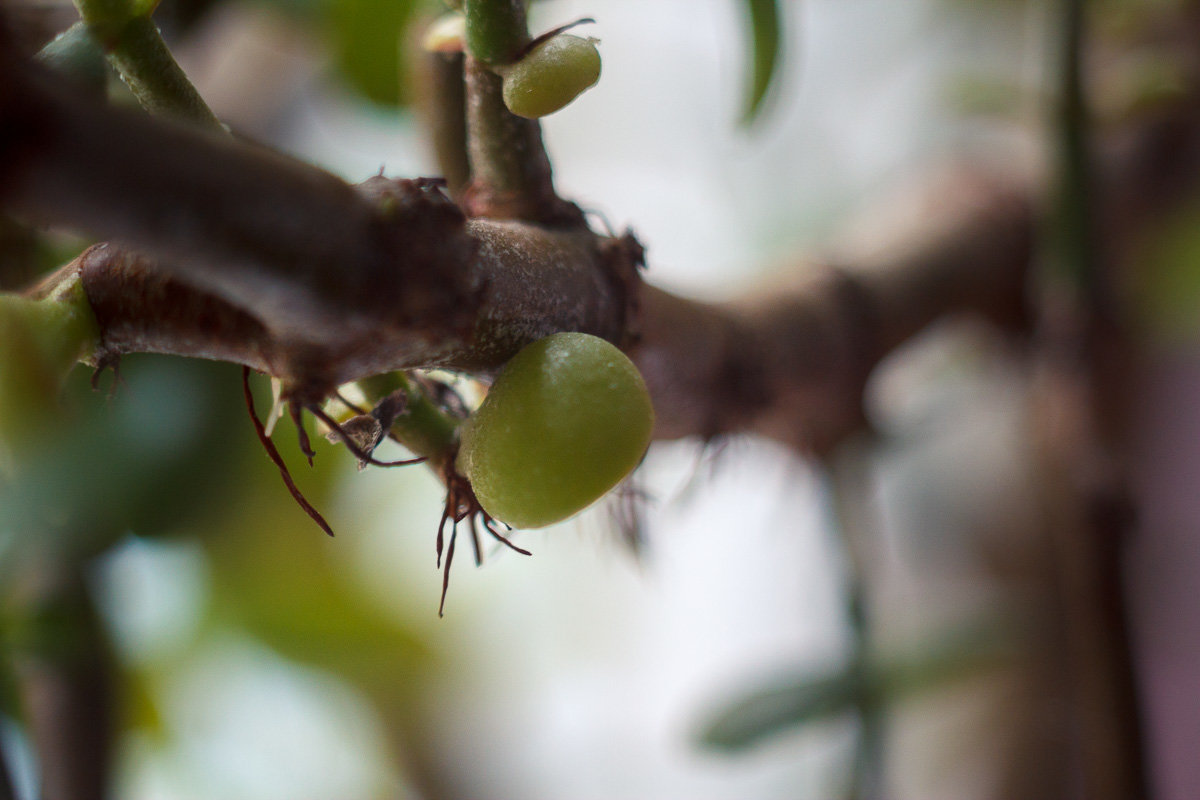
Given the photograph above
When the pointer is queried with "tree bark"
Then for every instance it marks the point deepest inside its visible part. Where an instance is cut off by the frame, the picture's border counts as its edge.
(250, 257)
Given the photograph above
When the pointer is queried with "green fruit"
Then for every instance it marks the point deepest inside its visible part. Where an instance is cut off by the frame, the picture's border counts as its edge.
(551, 75)
(566, 420)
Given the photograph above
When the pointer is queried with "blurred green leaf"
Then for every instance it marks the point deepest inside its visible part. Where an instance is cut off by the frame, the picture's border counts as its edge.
(1169, 278)
(769, 711)
(149, 459)
(140, 707)
(809, 699)
(764, 51)
(279, 578)
(367, 40)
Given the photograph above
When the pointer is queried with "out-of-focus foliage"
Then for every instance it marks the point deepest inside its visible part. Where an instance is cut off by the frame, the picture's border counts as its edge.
(171, 455)
(152, 458)
(986, 97)
(812, 699)
(286, 587)
(1169, 290)
(368, 41)
(764, 49)
(368, 37)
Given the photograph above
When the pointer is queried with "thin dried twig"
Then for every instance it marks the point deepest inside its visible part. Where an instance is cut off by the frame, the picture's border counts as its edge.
(277, 459)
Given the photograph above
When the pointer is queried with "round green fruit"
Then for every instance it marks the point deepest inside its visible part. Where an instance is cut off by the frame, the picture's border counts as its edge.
(566, 420)
(551, 75)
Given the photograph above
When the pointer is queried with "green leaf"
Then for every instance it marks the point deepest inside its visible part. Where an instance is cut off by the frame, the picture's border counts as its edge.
(765, 46)
(768, 711)
(151, 460)
(368, 37)
(763, 713)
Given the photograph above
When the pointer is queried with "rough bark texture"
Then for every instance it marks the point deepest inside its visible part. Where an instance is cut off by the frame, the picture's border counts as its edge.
(260, 260)
(300, 275)
(305, 249)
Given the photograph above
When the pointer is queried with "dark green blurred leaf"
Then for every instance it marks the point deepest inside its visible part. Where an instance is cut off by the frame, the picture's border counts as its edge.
(367, 37)
(149, 459)
(811, 699)
(769, 711)
(764, 51)
(1169, 290)
(140, 707)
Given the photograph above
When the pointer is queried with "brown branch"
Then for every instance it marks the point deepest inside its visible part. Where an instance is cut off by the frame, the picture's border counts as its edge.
(530, 280)
(442, 103)
(789, 361)
(318, 288)
(311, 255)
(65, 683)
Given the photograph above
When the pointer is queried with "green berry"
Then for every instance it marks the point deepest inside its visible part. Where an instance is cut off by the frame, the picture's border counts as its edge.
(566, 420)
(551, 75)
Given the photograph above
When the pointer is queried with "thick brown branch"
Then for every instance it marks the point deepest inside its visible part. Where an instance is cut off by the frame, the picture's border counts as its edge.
(790, 361)
(325, 284)
(531, 283)
(309, 254)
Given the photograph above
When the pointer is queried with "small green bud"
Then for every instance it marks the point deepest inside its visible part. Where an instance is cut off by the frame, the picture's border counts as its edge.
(551, 75)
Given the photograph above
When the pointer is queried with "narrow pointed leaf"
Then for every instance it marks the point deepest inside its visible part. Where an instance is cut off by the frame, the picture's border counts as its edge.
(764, 53)
(760, 714)
(768, 711)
